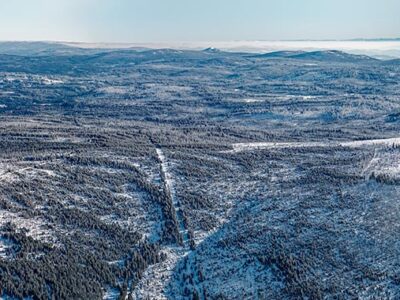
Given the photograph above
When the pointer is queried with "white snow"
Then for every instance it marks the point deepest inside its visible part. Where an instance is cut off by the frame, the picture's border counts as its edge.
(370, 164)
(7, 173)
(35, 227)
(384, 162)
(378, 142)
(169, 186)
(252, 100)
(308, 97)
(156, 277)
(238, 147)
(50, 81)
(5, 245)
(12, 173)
(111, 294)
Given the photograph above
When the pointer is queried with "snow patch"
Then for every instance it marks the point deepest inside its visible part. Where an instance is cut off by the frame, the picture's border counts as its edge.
(252, 100)
(239, 147)
(156, 277)
(49, 81)
(5, 247)
(35, 228)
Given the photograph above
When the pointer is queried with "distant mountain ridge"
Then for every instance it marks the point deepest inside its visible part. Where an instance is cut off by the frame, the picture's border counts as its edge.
(333, 55)
(137, 54)
(278, 54)
(323, 55)
(45, 49)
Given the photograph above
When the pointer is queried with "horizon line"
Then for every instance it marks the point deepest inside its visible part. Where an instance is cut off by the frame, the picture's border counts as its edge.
(378, 39)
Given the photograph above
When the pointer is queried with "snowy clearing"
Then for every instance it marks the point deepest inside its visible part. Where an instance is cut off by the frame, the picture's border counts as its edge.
(239, 147)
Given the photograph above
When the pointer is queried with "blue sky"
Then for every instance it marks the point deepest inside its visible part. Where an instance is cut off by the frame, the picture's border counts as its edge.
(195, 20)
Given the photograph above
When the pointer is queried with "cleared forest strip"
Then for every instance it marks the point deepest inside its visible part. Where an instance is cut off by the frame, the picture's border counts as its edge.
(157, 276)
(170, 190)
(239, 147)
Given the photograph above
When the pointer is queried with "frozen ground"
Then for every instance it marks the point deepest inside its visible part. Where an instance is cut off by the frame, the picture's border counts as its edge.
(172, 174)
(389, 142)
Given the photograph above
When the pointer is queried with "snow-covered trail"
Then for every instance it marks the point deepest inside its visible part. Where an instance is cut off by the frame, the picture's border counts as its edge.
(239, 147)
(170, 189)
(156, 278)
